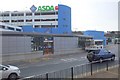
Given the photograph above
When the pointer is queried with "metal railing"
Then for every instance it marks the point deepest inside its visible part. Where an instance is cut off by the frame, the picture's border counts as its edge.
(79, 71)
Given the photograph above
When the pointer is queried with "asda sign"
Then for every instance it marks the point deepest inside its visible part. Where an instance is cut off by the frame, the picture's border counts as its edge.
(43, 8)
(47, 8)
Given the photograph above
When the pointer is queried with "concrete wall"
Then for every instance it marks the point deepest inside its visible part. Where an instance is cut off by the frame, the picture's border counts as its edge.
(0, 49)
(0, 44)
(64, 45)
(15, 44)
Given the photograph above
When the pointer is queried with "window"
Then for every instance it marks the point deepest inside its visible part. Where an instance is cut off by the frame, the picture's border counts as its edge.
(37, 13)
(106, 51)
(37, 20)
(37, 26)
(47, 19)
(96, 51)
(28, 14)
(19, 26)
(18, 29)
(13, 14)
(1, 14)
(56, 25)
(29, 20)
(1, 26)
(20, 14)
(5, 15)
(48, 13)
(14, 21)
(47, 26)
(20, 20)
(5, 21)
(98, 42)
(10, 28)
(57, 13)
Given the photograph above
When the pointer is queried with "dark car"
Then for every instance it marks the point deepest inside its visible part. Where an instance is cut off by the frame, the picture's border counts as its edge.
(100, 55)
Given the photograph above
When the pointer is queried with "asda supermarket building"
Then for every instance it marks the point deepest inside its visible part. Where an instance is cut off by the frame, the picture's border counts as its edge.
(43, 19)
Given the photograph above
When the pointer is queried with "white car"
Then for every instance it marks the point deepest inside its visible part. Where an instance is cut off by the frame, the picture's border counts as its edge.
(9, 72)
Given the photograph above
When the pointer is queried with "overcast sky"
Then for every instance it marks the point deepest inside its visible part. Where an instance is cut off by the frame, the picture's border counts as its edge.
(101, 15)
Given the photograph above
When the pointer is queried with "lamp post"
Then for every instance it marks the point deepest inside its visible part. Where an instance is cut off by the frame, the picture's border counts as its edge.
(51, 27)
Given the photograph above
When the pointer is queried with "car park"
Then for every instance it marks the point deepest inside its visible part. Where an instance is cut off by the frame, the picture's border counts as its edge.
(9, 72)
(100, 55)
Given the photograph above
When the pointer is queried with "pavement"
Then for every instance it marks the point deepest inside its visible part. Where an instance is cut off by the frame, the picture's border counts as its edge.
(111, 73)
(36, 54)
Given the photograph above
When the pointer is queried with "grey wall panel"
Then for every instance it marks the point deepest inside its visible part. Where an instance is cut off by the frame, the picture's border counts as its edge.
(5, 41)
(12, 49)
(16, 44)
(65, 43)
(0, 44)
(0, 49)
(5, 50)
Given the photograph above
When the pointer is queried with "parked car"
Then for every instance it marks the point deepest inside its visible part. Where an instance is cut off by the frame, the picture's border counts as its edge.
(9, 72)
(100, 55)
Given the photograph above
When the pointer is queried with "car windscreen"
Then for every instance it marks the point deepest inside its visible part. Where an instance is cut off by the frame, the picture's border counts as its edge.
(96, 51)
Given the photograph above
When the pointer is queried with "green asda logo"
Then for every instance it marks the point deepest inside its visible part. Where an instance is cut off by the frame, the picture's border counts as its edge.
(47, 8)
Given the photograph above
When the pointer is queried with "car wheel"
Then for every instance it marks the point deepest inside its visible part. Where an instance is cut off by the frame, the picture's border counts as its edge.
(12, 76)
(90, 61)
(90, 57)
(101, 60)
(113, 58)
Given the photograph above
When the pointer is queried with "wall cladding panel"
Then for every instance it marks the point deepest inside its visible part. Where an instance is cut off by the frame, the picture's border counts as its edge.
(65, 43)
(16, 44)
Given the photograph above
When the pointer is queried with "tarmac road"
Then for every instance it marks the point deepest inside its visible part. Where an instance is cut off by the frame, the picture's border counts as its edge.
(53, 64)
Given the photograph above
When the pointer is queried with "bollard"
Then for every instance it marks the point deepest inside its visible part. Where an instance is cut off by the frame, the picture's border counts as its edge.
(91, 67)
(72, 73)
(107, 66)
(46, 76)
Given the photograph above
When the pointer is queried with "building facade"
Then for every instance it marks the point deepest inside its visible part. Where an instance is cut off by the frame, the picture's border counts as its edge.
(56, 21)
(97, 35)
(7, 27)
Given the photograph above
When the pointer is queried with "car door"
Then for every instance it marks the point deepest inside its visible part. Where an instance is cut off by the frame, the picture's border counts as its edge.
(103, 53)
(4, 71)
(106, 54)
(109, 55)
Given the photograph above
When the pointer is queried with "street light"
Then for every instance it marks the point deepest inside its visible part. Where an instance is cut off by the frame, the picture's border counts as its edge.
(51, 27)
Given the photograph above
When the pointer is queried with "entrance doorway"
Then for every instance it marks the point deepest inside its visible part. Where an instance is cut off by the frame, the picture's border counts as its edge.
(48, 47)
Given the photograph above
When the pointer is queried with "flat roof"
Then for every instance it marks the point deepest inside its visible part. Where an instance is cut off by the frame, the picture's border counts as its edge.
(10, 25)
(4, 29)
(10, 33)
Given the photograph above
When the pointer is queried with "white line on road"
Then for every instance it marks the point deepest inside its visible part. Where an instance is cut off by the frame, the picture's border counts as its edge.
(73, 59)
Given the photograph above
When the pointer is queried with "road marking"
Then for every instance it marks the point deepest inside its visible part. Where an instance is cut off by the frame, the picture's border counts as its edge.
(73, 59)
(69, 59)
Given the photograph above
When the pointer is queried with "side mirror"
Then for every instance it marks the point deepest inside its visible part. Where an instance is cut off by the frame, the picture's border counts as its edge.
(4, 69)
